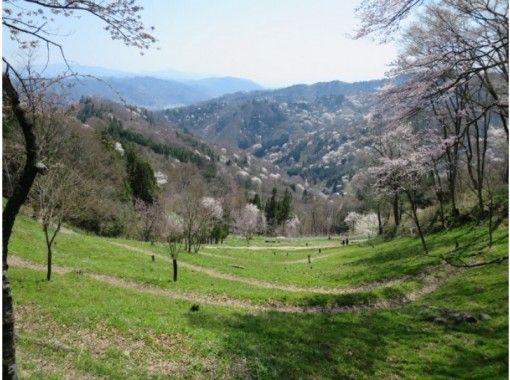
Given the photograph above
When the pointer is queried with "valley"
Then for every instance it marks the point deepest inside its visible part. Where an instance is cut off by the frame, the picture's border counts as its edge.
(255, 190)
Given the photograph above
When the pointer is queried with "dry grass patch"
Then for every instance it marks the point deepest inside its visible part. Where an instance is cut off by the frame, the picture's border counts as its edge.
(156, 354)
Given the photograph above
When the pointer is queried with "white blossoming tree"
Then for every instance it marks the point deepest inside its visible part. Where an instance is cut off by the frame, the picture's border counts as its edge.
(249, 220)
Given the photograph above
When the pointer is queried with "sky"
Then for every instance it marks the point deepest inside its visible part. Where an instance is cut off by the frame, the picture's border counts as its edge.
(273, 42)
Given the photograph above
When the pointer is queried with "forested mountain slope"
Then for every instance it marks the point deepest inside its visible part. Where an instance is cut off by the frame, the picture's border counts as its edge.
(305, 129)
(107, 141)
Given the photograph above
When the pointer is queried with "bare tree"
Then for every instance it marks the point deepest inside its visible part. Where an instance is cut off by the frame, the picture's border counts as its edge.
(55, 195)
(188, 205)
(29, 24)
(194, 208)
(210, 212)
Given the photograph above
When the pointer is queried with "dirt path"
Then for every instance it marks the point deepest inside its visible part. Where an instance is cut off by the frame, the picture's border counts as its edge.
(278, 248)
(266, 284)
(430, 282)
(299, 261)
(313, 258)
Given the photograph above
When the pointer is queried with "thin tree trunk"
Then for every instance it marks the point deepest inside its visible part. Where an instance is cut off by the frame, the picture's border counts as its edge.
(189, 241)
(379, 222)
(49, 243)
(174, 263)
(441, 215)
(11, 209)
(481, 127)
(505, 124)
(491, 205)
(439, 194)
(451, 182)
(50, 257)
(417, 222)
(49, 252)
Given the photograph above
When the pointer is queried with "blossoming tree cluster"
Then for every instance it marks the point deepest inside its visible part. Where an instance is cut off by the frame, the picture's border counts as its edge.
(434, 126)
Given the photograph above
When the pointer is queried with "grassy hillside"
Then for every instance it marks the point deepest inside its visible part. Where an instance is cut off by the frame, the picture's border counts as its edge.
(368, 310)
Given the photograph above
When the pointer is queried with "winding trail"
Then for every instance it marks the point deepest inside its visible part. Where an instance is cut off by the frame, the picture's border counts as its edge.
(298, 261)
(278, 248)
(271, 285)
(430, 283)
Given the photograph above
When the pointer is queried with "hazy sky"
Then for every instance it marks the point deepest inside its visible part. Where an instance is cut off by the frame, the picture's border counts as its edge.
(274, 42)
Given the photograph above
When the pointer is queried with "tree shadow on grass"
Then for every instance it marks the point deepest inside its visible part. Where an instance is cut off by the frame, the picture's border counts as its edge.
(351, 345)
(276, 345)
(394, 259)
(412, 248)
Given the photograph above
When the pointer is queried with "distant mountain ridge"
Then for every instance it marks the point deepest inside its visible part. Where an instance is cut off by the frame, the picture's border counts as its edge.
(155, 93)
(154, 90)
(303, 92)
(52, 70)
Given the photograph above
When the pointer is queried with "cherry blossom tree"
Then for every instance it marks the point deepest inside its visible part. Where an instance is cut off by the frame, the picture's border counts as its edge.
(405, 174)
(367, 225)
(383, 18)
(457, 40)
(453, 68)
(249, 220)
(151, 219)
(294, 224)
(389, 142)
(351, 219)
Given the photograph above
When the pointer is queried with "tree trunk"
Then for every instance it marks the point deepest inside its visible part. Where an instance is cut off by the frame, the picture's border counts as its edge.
(453, 158)
(477, 174)
(50, 256)
(11, 209)
(395, 211)
(491, 205)
(188, 242)
(174, 263)
(439, 194)
(417, 222)
(48, 250)
(9, 347)
(379, 222)
(479, 195)
(49, 243)
(455, 210)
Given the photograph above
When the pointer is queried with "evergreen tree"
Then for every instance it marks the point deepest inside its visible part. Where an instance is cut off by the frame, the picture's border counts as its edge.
(284, 207)
(271, 208)
(256, 201)
(140, 177)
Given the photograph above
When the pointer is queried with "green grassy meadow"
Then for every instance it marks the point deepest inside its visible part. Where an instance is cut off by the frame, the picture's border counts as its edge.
(78, 326)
